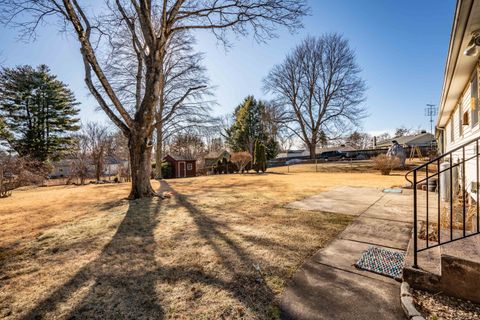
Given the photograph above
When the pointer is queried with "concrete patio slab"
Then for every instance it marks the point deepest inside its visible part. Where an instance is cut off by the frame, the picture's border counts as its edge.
(329, 286)
(345, 200)
(392, 207)
(343, 254)
(323, 292)
(380, 232)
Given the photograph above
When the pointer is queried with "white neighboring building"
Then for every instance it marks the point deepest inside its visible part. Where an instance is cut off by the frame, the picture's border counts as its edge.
(112, 167)
(423, 139)
(458, 115)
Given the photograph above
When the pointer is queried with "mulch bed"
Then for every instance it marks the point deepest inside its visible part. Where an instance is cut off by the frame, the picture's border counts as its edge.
(437, 306)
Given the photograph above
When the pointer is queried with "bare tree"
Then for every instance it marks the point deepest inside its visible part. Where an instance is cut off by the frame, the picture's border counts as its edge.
(80, 159)
(320, 86)
(151, 25)
(120, 150)
(187, 145)
(383, 137)
(99, 143)
(358, 140)
(183, 104)
(214, 143)
(404, 131)
(16, 171)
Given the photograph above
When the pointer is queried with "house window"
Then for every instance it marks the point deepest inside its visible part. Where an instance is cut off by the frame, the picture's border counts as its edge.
(465, 120)
(189, 166)
(474, 99)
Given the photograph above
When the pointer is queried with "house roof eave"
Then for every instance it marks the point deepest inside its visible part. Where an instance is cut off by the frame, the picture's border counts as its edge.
(458, 67)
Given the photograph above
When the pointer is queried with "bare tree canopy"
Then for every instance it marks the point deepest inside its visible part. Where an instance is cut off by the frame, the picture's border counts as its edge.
(99, 143)
(148, 25)
(358, 140)
(320, 87)
(184, 104)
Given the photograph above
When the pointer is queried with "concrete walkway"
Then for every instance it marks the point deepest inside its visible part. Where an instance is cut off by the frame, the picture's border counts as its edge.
(329, 286)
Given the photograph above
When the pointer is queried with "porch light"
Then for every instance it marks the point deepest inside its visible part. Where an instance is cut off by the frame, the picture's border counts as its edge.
(472, 49)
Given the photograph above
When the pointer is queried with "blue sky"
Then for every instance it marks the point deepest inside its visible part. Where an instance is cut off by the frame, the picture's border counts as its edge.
(401, 47)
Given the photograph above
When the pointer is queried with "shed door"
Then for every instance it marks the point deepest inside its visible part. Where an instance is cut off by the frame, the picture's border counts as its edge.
(181, 170)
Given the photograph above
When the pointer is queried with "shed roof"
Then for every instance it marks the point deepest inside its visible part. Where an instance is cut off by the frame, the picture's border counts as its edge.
(177, 157)
(217, 154)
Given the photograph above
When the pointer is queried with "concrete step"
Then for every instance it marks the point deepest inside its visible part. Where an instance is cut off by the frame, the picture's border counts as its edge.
(452, 268)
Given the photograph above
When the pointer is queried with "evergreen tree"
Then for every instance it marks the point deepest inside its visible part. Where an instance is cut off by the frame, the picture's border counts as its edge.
(4, 136)
(272, 148)
(260, 157)
(249, 127)
(39, 111)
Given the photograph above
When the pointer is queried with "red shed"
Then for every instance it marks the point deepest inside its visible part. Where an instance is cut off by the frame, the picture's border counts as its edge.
(181, 167)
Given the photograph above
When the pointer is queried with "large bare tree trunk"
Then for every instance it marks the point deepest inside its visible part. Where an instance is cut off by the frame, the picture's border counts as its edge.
(312, 147)
(98, 168)
(140, 149)
(97, 172)
(2, 191)
(159, 154)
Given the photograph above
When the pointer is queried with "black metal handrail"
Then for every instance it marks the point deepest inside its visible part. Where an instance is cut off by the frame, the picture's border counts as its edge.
(447, 173)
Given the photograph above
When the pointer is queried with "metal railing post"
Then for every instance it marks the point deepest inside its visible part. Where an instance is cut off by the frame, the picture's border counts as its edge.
(415, 244)
(477, 187)
(464, 176)
(426, 206)
(439, 206)
(451, 196)
(451, 191)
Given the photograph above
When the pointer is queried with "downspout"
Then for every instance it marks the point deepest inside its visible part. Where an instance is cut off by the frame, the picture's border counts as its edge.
(440, 139)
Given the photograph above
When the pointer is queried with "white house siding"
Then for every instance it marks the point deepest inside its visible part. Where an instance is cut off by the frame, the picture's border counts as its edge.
(462, 136)
(61, 171)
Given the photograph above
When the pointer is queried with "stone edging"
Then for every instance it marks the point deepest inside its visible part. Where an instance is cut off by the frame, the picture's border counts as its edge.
(407, 303)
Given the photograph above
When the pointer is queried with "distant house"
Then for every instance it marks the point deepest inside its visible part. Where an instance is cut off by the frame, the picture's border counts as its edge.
(423, 139)
(180, 167)
(111, 167)
(62, 168)
(305, 154)
(215, 161)
(291, 154)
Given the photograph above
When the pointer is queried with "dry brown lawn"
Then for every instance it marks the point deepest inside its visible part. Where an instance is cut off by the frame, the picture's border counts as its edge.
(222, 248)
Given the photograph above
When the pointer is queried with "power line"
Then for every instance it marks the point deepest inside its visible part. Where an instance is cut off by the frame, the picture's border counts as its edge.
(431, 111)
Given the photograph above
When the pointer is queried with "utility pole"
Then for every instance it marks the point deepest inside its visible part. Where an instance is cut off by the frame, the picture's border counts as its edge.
(431, 112)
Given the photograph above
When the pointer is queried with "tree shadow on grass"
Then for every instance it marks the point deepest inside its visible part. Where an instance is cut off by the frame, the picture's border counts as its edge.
(119, 284)
(246, 283)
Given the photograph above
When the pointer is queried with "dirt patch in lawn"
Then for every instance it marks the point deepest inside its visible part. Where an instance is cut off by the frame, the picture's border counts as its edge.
(222, 247)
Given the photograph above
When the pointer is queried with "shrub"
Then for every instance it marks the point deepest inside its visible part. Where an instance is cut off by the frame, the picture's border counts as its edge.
(241, 159)
(260, 159)
(16, 172)
(166, 170)
(385, 163)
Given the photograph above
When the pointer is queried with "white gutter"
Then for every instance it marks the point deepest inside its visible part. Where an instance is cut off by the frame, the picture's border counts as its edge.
(455, 53)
